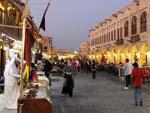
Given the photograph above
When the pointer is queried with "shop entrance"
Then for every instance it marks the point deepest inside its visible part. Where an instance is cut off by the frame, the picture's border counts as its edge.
(134, 54)
(143, 56)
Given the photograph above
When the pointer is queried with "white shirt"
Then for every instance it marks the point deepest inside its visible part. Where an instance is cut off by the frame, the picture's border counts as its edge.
(127, 68)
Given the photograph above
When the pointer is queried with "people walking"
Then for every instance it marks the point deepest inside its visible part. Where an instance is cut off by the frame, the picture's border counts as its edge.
(68, 84)
(127, 69)
(137, 75)
(93, 69)
(88, 66)
(47, 67)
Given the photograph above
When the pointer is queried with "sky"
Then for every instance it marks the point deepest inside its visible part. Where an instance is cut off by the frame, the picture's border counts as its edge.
(68, 21)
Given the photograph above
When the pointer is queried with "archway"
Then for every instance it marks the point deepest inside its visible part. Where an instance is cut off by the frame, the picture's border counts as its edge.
(143, 55)
(134, 53)
(112, 59)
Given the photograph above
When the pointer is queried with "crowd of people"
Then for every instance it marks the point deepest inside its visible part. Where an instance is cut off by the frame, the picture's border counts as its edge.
(66, 68)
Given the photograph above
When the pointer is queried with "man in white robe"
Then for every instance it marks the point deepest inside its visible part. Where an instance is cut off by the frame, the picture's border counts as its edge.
(11, 89)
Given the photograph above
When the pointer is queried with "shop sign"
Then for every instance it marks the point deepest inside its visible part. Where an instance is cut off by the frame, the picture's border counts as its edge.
(119, 41)
(135, 38)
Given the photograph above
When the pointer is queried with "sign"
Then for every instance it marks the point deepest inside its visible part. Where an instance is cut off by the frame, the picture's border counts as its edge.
(135, 38)
(119, 41)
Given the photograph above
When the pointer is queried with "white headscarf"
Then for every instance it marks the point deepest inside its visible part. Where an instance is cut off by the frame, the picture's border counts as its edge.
(10, 66)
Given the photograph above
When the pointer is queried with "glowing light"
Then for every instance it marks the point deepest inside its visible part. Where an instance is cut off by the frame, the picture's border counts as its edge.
(148, 53)
(1, 47)
(137, 54)
(1, 6)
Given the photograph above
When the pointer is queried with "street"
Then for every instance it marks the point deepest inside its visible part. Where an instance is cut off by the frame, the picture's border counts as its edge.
(105, 94)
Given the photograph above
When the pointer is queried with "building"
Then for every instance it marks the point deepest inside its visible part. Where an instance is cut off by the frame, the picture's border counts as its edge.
(47, 45)
(125, 34)
(11, 30)
(84, 49)
(62, 53)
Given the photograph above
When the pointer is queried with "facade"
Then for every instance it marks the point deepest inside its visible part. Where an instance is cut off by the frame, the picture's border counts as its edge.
(125, 34)
(84, 49)
(47, 45)
(10, 14)
(11, 29)
(62, 53)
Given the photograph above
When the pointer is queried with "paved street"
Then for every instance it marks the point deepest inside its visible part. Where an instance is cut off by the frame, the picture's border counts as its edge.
(103, 95)
(2, 109)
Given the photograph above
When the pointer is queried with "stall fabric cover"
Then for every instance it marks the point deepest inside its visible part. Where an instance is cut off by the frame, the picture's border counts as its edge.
(29, 42)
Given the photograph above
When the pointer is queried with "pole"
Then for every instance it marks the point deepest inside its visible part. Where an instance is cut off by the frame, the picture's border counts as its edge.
(22, 56)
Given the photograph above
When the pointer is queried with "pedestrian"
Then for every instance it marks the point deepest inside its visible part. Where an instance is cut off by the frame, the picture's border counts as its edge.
(47, 67)
(33, 75)
(127, 69)
(138, 75)
(68, 84)
(93, 69)
(11, 88)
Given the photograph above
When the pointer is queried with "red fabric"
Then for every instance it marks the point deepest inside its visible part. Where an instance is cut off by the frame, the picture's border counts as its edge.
(137, 75)
(29, 42)
(146, 72)
(74, 63)
(34, 76)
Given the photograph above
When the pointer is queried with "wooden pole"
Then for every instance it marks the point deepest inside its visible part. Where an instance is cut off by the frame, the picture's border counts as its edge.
(22, 56)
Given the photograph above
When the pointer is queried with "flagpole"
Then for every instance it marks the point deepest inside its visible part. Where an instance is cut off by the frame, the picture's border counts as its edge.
(22, 56)
(43, 18)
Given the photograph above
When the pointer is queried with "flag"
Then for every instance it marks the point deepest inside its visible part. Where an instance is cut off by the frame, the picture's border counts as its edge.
(26, 12)
(42, 25)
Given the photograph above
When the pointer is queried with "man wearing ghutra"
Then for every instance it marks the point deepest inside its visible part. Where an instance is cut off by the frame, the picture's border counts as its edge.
(11, 89)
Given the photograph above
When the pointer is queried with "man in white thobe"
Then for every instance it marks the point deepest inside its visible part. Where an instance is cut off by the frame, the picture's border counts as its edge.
(11, 89)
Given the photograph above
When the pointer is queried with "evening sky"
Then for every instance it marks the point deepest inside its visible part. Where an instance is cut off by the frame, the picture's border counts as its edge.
(68, 21)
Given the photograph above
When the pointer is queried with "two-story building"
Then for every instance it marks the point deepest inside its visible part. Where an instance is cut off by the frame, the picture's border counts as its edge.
(125, 34)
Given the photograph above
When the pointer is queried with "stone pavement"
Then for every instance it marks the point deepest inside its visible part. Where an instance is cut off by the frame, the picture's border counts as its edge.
(103, 95)
(2, 109)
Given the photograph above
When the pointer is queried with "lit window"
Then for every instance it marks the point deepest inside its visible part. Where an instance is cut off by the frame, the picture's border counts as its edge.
(143, 22)
(134, 25)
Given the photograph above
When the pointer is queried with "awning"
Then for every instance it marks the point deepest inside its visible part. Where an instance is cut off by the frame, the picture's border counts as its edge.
(17, 6)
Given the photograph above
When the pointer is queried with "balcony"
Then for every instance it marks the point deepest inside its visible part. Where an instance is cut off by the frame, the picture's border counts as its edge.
(119, 42)
(135, 38)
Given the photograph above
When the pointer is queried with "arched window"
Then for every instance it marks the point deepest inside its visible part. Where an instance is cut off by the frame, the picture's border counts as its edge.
(143, 22)
(134, 25)
(126, 29)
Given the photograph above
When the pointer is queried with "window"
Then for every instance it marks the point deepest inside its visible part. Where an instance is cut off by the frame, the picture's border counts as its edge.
(126, 29)
(121, 32)
(95, 41)
(143, 22)
(134, 25)
(109, 36)
(114, 34)
(118, 33)
(100, 39)
(104, 38)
